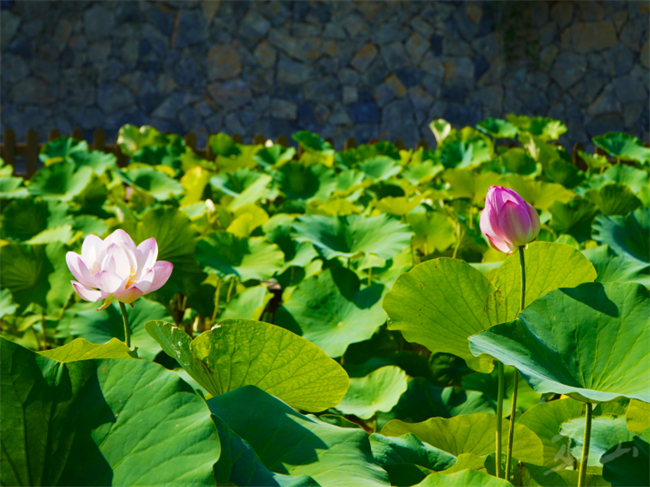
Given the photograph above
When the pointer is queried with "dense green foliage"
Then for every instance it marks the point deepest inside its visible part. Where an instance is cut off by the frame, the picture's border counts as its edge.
(333, 318)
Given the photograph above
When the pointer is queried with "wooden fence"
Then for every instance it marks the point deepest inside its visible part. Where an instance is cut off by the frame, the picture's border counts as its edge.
(28, 151)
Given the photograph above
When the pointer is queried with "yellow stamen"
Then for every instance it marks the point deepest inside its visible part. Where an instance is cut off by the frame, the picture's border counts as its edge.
(131, 280)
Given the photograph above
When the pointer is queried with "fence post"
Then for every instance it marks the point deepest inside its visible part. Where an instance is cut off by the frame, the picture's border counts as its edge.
(282, 140)
(9, 148)
(259, 139)
(399, 143)
(77, 134)
(99, 140)
(54, 134)
(351, 143)
(190, 140)
(237, 138)
(31, 153)
(422, 143)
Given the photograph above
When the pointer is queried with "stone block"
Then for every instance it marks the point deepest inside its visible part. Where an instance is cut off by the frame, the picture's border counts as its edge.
(398, 122)
(170, 107)
(323, 90)
(395, 86)
(340, 117)
(608, 122)
(348, 77)
(333, 30)
(350, 94)
(292, 72)
(223, 62)
(98, 22)
(298, 48)
(190, 28)
(491, 97)
(364, 57)
(422, 102)
(645, 54)
(416, 47)
(230, 94)
(489, 45)
(112, 97)
(14, 68)
(98, 51)
(9, 23)
(632, 112)
(631, 34)
(395, 56)
(629, 89)
(254, 25)
(265, 54)
(605, 103)
(189, 118)
(619, 60)
(356, 26)
(568, 69)
(584, 37)
(283, 109)
(364, 112)
(459, 72)
(376, 73)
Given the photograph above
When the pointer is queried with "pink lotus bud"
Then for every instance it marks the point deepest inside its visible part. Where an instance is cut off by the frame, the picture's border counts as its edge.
(116, 268)
(508, 221)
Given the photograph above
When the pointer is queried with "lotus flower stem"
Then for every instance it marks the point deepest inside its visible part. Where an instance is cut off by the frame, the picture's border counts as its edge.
(499, 418)
(230, 288)
(127, 330)
(43, 330)
(513, 410)
(585, 447)
(217, 295)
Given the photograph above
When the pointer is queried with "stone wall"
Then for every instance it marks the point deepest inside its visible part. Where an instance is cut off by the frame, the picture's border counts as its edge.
(343, 69)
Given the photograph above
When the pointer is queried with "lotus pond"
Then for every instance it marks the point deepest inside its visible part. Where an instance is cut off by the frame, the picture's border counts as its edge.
(333, 318)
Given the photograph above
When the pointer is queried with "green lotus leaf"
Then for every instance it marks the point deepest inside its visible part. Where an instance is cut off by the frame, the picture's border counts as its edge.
(277, 230)
(638, 416)
(544, 420)
(614, 268)
(276, 155)
(590, 342)
(433, 232)
(154, 182)
(466, 477)
(101, 326)
(246, 186)
(101, 422)
(614, 199)
(25, 218)
(12, 188)
(378, 391)
(240, 465)
(352, 236)
(423, 172)
(573, 218)
(463, 183)
(623, 146)
(470, 433)
(311, 141)
(80, 349)
(628, 236)
(299, 182)
(228, 256)
(465, 153)
(176, 237)
(237, 353)
(595, 162)
(517, 160)
(223, 145)
(606, 431)
(406, 459)
(250, 304)
(61, 234)
(549, 266)
(540, 194)
(331, 310)
(534, 475)
(635, 179)
(398, 205)
(246, 219)
(87, 224)
(7, 304)
(629, 463)
(439, 304)
(60, 182)
(564, 172)
(380, 168)
(131, 138)
(544, 128)
(497, 128)
(332, 456)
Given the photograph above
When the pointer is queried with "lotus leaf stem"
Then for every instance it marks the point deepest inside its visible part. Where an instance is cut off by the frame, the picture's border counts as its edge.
(499, 418)
(585, 447)
(127, 329)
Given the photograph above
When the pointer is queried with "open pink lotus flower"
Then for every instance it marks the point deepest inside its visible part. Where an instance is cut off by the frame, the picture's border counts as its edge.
(116, 268)
(508, 221)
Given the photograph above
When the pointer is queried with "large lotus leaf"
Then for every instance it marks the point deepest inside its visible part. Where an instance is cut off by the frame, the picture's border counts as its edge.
(466, 478)
(234, 183)
(623, 146)
(7, 304)
(398, 205)
(276, 155)
(154, 182)
(80, 349)
(573, 218)
(244, 159)
(228, 256)
(614, 199)
(606, 431)
(11, 187)
(638, 416)
(87, 224)
(614, 268)
(36, 274)
(25, 218)
(277, 231)
(292, 444)
(60, 182)
(297, 181)
(517, 160)
(433, 231)
(549, 266)
(75, 152)
(237, 353)
(353, 235)
(540, 194)
(380, 167)
(538, 476)
(406, 459)
(629, 463)
(101, 326)
(439, 304)
(131, 138)
(463, 183)
(628, 236)
(497, 128)
(590, 342)
(332, 311)
(240, 465)
(635, 179)
(249, 304)
(101, 422)
(470, 433)
(544, 128)
(465, 153)
(223, 145)
(378, 391)
(544, 420)
(176, 237)
(246, 219)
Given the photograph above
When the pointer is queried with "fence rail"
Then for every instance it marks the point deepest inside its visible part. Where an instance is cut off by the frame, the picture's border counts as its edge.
(11, 151)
